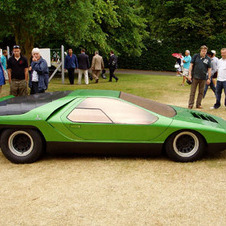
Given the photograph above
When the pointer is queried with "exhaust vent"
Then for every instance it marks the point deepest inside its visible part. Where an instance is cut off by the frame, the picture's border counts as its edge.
(204, 117)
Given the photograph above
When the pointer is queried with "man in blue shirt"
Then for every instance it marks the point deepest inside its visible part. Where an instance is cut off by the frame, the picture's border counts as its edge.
(71, 63)
(4, 59)
(186, 61)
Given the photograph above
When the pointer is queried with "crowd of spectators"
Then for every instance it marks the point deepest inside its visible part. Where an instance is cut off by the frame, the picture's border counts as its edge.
(36, 76)
(201, 72)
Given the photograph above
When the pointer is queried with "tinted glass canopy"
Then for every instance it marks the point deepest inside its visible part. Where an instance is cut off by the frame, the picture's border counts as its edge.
(161, 109)
(109, 110)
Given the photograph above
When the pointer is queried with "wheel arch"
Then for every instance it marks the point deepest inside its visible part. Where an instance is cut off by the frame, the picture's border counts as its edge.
(5, 127)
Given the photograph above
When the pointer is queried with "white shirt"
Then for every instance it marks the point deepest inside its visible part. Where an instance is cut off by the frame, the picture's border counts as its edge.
(221, 70)
(214, 62)
(34, 76)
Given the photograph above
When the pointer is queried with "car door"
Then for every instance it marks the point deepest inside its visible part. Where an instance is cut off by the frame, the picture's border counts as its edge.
(112, 119)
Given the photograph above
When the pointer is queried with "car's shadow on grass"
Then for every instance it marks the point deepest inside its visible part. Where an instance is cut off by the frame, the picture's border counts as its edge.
(58, 157)
(215, 156)
(163, 157)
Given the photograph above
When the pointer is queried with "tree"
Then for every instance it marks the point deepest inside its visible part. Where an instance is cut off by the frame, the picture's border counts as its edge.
(190, 19)
(31, 21)
(177, 25)
(90, 23)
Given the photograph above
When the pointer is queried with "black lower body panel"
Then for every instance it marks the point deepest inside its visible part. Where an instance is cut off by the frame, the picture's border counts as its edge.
(216, 147)
(104, 149)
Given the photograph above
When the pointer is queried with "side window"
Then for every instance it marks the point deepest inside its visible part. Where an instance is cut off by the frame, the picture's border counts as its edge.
(88, 115)
(120, 112)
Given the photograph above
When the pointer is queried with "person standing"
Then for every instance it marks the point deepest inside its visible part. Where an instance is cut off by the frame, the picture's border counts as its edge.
(179, 65)
(18, 73)
(221, 79)
(113, 64)
(186, 61)
(199, 66)
(83, 67)
(97, 66)
(213, 71)
(2, 77)
(71, 63)
(4, 59)
(38, 73)
(214, 62)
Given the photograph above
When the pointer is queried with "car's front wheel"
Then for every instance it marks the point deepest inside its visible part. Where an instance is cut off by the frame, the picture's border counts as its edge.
(21, 145)
(185, 146)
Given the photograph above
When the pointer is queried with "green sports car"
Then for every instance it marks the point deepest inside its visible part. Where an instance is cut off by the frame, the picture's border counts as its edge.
(106, 123)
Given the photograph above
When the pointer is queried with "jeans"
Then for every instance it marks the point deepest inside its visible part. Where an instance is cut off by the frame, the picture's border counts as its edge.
(212, 86)
(220, 86)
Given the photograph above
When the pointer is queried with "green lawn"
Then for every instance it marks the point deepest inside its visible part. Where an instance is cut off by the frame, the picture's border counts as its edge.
(153, 86)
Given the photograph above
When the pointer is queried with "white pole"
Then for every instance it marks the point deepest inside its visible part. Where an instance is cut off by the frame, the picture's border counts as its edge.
(8, 52)
(62, 61)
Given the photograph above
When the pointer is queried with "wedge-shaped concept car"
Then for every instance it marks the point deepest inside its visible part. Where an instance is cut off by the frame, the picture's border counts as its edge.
(104, 122)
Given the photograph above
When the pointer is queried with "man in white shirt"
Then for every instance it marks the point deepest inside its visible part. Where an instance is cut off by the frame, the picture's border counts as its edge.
(221, 79)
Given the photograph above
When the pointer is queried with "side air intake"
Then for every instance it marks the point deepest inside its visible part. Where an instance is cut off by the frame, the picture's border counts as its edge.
(204, 117)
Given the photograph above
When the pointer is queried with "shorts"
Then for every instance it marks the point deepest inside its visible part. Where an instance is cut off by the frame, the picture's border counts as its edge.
(18, 87)
(185, 72)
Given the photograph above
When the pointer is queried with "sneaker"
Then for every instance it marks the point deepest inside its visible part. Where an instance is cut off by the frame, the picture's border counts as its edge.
(199, 107)
(212, 108)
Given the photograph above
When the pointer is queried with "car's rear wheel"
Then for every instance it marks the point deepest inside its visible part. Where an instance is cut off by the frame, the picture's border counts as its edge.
(185, 146)
(21, 145)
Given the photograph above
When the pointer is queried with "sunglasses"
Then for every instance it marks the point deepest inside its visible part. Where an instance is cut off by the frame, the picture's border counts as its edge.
(16, 47)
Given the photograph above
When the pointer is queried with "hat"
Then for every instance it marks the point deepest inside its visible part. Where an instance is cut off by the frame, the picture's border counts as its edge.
(214, 52)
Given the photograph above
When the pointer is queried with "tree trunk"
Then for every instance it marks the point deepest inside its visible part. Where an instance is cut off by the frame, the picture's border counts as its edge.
(25, 41)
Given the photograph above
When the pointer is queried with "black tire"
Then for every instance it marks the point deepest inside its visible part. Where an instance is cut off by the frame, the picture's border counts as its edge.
(21, 145)
(185, 146)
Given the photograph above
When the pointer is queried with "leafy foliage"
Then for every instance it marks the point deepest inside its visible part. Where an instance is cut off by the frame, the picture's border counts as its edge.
(143, 33)
(189, 19)
(89, 23)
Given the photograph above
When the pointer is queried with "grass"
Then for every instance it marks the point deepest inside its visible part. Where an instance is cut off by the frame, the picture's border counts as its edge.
(117, 191)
